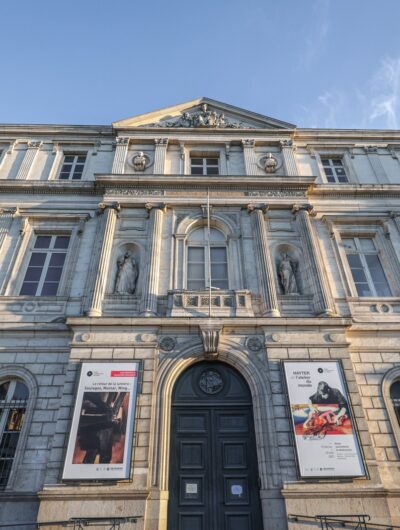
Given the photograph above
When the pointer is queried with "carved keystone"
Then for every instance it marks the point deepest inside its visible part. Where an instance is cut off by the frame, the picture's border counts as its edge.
(210, 336)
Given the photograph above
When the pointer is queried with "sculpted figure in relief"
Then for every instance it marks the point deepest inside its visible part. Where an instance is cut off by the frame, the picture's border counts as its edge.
(139, 162)
(287, 271)
(127, 273)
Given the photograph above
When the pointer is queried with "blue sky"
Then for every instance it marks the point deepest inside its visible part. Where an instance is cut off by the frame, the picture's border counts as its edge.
(315, 63)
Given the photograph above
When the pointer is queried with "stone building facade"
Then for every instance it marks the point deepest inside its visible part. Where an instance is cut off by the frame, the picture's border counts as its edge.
(76, 199)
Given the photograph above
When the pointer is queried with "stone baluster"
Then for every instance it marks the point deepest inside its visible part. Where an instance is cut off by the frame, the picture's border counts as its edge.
(159, 155)
(323, 300)
(109, 221)
(265, 269)
(250, 162)
(150, 292)
(375, 160)
(121, 151)
(27, 163)
(288, 157)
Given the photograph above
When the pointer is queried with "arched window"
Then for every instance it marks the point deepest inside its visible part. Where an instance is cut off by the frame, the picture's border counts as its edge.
(14, 396)
(395, 397)
(200, 261)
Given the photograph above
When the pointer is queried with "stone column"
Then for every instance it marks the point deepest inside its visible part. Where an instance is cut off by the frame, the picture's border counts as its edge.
(265, 268)
(374, 158)
(250, 162)
(159, 155)
(31, 152)
(121, 150)
(323, 300)
(109, 221)
(150, 291)
(6, 218)
(288, 157)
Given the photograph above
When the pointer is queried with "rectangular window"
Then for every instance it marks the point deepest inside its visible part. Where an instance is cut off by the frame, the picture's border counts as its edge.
(72, 167)
(45, 267)
(204, 166)
(366, 268)
(197, 268)
(334, 170)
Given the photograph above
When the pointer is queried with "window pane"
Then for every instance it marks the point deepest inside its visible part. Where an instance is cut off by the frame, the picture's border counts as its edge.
(57, 258)
(395, 390)
(367, 244)
(37, 259)
(359, 276)
(216, 235)
(53, 274)
(196, 254)
(221, 284)
(349, 243)
(81, 159)
(328, 171)
(363, 289)
(42, 241)
(61, 242)
(197, 170)
(219, 271)
(354, 261)
(212, 161)
(33, 274)
(3, 390)
(29, 289)
(337, 162)
(378, 276)
(49, 289)
(212, 171)
(196, 285)
(21, 391)
(197, 161)
(195, 271)
(218, 254)
(325, 161)
(69, 158)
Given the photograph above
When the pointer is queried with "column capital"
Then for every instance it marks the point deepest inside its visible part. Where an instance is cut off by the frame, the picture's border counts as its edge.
(34, 144)
(248, 142)
(253, 207)
(12, 211)
(102, 207)
(122, 140)
(394, 215)
(286, 143)
(309, 208)
(161, 141)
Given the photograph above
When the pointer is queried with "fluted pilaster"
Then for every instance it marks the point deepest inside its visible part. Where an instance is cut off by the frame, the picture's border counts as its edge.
(150, 294)
(159, 155)
(6, 218)
(250, 162)
(375, 160)
(30, 155)
(265, 269)
(323, 300)
(288, 157)
(109, 221)
(121, 151)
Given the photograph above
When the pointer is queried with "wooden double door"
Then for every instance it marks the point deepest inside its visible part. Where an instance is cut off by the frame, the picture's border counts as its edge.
(214, 482)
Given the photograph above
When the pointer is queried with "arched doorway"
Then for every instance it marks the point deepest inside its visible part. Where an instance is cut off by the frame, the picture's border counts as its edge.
(213, 482)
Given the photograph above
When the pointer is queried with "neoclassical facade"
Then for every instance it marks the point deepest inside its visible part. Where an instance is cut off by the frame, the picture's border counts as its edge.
(209, 244)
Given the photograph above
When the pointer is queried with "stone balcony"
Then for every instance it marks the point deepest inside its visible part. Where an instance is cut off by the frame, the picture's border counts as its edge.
(197, 303)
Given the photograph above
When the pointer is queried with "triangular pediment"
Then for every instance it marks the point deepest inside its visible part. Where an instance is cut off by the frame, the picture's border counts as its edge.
(203, 113)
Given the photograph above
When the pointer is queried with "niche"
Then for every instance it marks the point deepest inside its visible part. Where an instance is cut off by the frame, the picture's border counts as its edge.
(289, 269)
(125, 274)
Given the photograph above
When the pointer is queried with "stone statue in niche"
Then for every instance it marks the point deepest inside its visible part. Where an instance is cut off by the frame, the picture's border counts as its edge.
(287, 275)
(139, 162)
(127, 273)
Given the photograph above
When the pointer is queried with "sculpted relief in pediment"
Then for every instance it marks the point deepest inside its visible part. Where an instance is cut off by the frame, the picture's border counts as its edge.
(203, 118)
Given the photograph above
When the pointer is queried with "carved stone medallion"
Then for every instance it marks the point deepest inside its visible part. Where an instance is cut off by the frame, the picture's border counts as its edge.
(254, 344)
(210, 382)
(167, 343)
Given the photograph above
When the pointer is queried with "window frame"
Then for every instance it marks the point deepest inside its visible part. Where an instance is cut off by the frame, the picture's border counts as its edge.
(389, 378)
(205, 166)
(75, 154)
(345, 157)
(21, 374)
(43, 225)
(203, 244)
(63, 149)
(333, 167)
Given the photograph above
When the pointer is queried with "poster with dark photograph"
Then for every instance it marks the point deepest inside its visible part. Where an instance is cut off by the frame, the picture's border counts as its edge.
(100, 442)
(326, 441)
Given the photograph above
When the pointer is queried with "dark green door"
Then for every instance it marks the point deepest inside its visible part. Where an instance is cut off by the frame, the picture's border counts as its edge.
(213, 465)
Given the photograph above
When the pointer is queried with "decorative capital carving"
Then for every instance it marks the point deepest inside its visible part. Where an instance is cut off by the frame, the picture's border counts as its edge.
(102, 207)
(122, 140)
(296, 208)
(253, 207)
(285, 143)
(34, 144)
(161, 141)
(394, 215)
(248, 142)
(12, 211)
(371, 149)
(210, 334)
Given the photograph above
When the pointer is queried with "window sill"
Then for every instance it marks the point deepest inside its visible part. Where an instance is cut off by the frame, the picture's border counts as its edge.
(372, 307)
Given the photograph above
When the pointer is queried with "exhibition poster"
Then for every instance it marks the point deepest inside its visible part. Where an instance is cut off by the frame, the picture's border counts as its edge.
(325, 436)
(100, 441)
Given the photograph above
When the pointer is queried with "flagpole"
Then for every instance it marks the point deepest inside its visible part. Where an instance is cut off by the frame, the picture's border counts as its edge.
(209, 252)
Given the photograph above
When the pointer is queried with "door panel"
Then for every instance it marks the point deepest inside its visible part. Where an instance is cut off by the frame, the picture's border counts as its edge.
(213, 467)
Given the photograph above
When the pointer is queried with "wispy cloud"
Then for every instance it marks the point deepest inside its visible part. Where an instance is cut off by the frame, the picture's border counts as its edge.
(384, 88)
(317, 36)
(327, 110)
